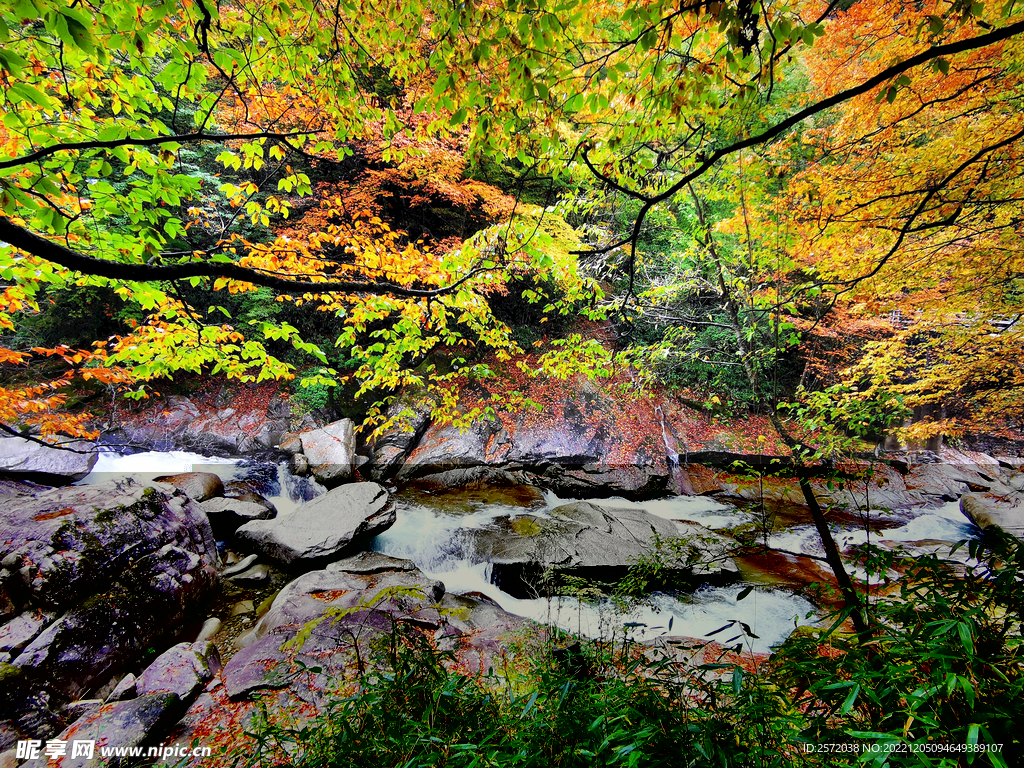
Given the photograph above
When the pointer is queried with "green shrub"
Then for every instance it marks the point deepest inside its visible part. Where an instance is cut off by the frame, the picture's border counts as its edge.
(312, 397)
(939, 683)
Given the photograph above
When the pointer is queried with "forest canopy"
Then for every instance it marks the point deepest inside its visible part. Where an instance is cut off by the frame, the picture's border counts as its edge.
(806, 203)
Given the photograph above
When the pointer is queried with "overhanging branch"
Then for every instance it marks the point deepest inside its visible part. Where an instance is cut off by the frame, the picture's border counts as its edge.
(153, 141)
(56, 253)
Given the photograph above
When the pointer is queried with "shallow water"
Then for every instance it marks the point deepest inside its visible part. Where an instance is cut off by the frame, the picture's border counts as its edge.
(432, 537)
(430, 527)
(272, 481)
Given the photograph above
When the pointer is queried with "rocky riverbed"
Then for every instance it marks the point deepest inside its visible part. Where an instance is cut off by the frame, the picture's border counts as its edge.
(169, 596)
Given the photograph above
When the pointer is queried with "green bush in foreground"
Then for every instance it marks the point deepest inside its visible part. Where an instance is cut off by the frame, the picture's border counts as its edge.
(938, 683)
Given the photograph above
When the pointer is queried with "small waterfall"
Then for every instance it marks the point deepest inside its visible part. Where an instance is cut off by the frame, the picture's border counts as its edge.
(680, 480)
(279, 486)
(273, 481)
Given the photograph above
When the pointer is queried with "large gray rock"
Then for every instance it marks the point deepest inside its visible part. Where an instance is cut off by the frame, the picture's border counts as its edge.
(585, 540)
(390, 450)
(30, 460)
(182, 669)
(22, 629)
(1004, 511)
(137, 722)
(227, 514)
(70, 543)
(121, 563)
(349, 608)
(324, 528)
(105, 634)
(344, 611)
(947, 482)
(331, 452)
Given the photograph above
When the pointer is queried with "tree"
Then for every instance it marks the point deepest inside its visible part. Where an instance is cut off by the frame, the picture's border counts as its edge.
(108, 111)
(108, 114)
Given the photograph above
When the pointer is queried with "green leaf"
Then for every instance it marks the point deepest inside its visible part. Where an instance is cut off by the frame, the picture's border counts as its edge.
(26, 92)
(851, 698)
(964, 630)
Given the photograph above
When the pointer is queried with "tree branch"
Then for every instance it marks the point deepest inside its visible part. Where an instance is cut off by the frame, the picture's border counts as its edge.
(56, 253)
(185, 138)
(708, 161)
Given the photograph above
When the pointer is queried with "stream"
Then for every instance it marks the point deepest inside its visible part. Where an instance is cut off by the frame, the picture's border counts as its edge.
(430, 527)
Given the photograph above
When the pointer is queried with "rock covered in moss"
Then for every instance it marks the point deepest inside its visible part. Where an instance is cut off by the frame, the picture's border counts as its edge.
(579, 539)
(70, 543)
(120, 564)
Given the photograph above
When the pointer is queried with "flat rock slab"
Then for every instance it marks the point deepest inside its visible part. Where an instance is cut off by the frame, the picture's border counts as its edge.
(371, 562)
(19, 631)
(1004, 511)
(581, 539)
(324, 528)
(28, 459)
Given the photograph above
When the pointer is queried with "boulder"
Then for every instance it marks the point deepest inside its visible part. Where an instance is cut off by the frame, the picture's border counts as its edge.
(354, 604)
(371, 562)
(253, 498)
(1006, 512)
(73, 542)
(198, 486)
(104, 635)
(1011, 462)
(209, 629)
(390, 450)
(227, 514)
(22, 629)
(363, 605)
(946, 482)
(324, 528)
(142, 721)
(299, 465)
(182, 669)
(124, 690)
(578, 447)
(331, 452)
(291, 443)
(584, 540)
(242, 565)
(256, 576)
(29, 460)
(120, 563)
